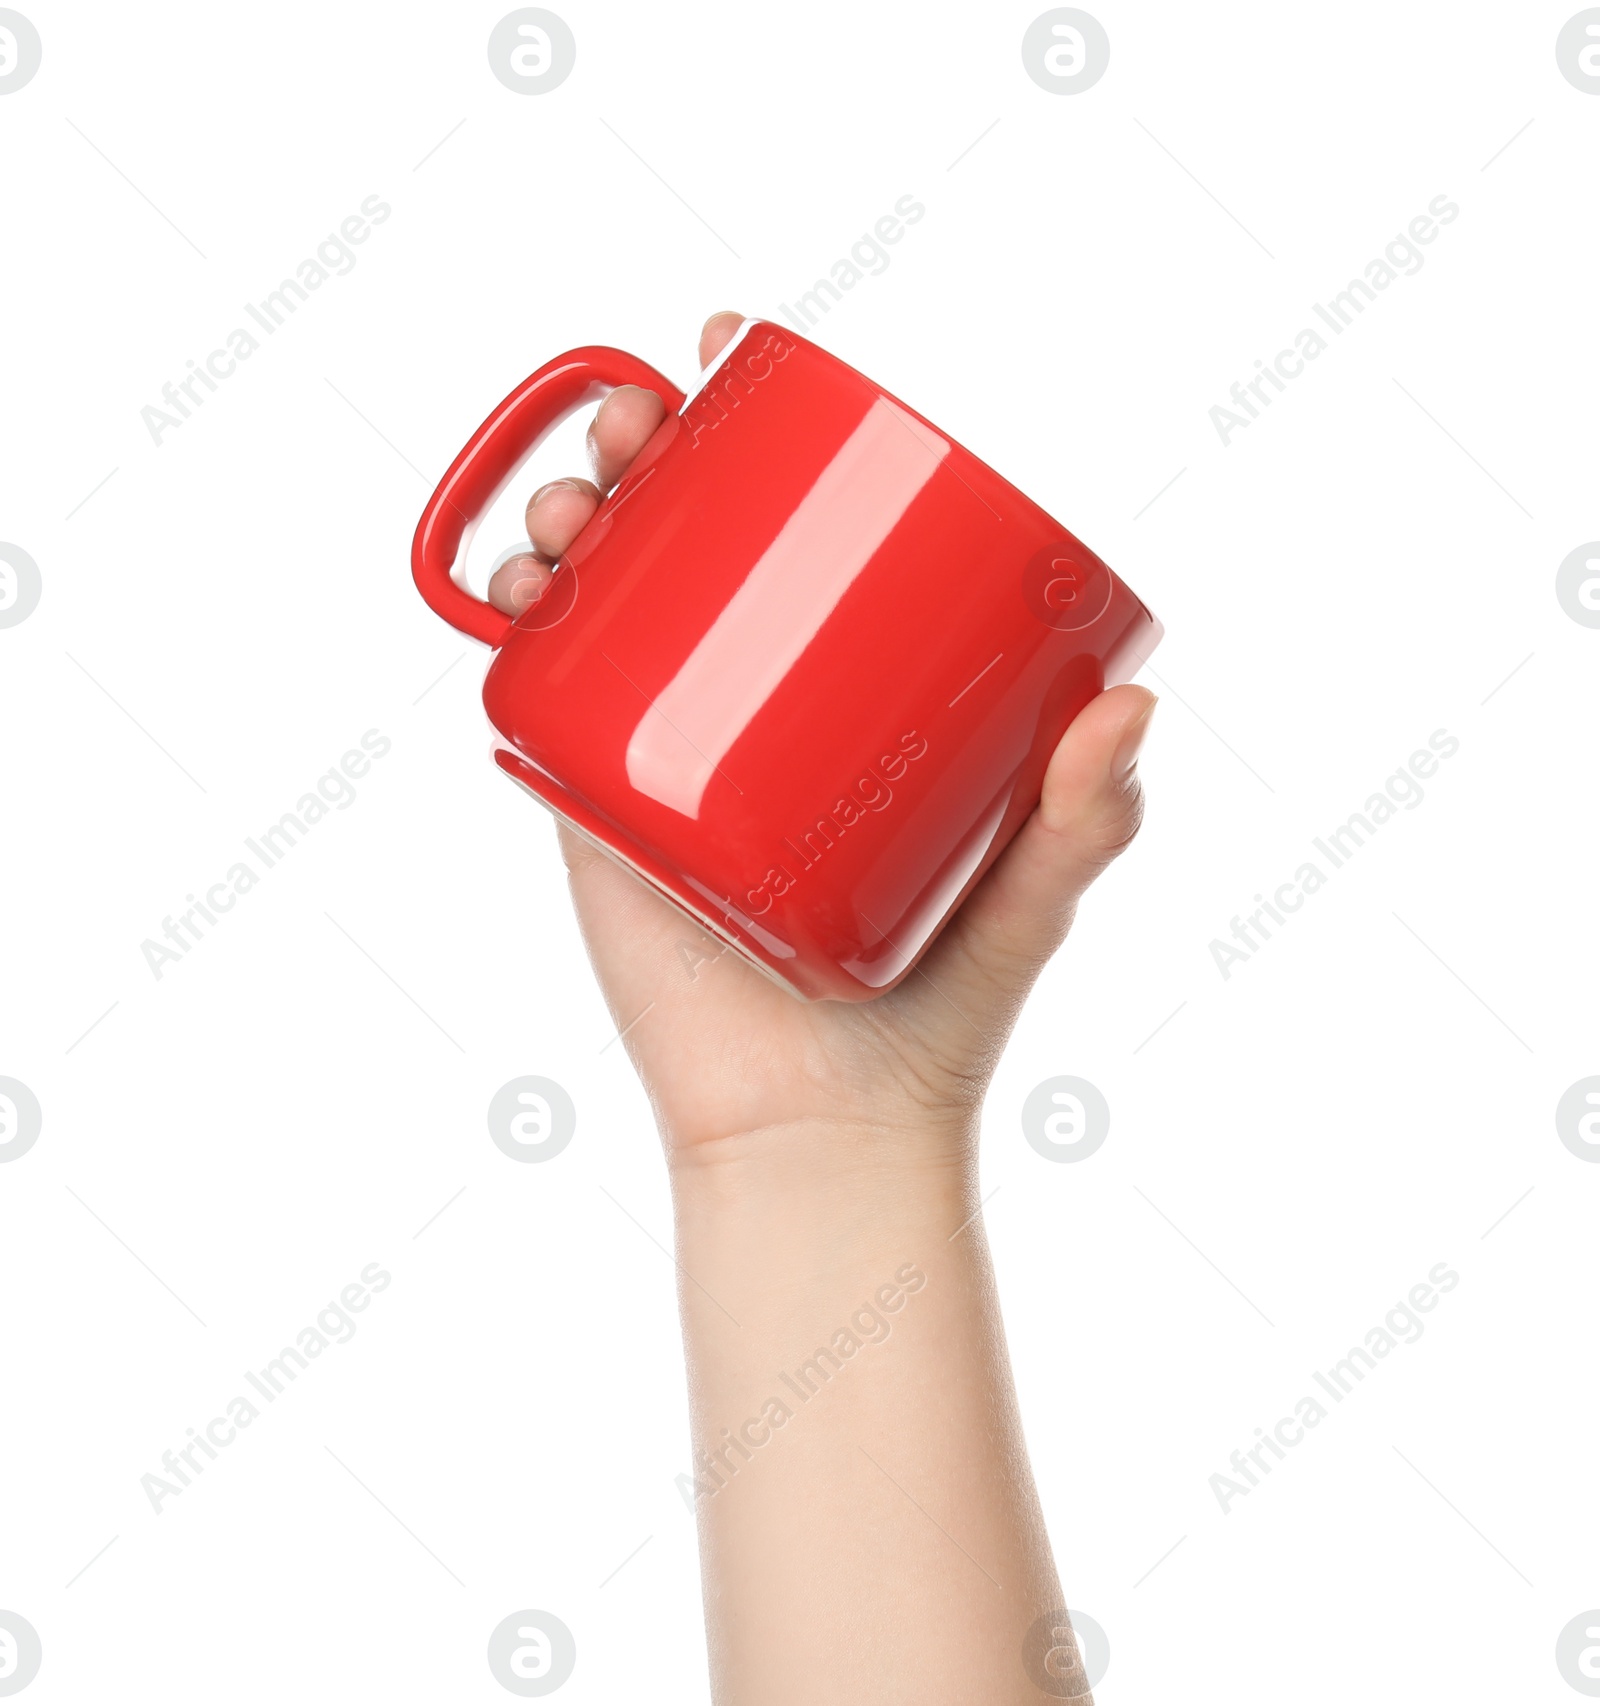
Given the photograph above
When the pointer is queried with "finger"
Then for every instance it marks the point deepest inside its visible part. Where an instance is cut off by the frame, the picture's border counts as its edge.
(1089, 811)
(717, 333)
(631, 413)
(618, 432)
(558, 512)
(519, 582)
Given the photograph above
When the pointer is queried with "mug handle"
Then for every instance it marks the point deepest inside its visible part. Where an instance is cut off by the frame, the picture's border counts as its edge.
(492, 455)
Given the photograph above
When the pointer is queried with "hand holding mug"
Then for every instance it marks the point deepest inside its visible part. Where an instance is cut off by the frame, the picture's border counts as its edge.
(723, 1048)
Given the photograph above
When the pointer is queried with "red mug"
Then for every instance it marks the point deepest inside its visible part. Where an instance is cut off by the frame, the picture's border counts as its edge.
(804, 668)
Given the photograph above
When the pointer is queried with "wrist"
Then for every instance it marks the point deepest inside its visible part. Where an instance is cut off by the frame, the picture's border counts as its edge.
(784, 1232)
(877, 1180)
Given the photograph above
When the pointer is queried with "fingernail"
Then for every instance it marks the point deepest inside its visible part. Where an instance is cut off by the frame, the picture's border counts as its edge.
(1126, 756)
(553, 485)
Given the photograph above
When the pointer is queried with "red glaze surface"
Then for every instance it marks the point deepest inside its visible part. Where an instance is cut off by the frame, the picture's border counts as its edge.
(804, 669)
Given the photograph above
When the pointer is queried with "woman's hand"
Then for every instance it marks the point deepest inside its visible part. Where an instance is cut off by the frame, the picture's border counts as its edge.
(869, 1529)
(725, 1053)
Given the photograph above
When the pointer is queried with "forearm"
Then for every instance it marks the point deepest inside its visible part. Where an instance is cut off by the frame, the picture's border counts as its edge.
(869, 1526)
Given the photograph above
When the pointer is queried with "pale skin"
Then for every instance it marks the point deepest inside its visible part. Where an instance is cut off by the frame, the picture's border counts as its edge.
(884, 1542)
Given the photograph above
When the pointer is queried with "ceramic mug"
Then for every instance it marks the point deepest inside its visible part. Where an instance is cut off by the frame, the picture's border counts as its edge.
(804, 668)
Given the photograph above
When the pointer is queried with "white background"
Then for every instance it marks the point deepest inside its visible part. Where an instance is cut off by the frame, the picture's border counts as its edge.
(1363, 1099)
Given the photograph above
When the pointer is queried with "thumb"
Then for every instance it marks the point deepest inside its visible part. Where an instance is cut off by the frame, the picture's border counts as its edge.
(1088, 812)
